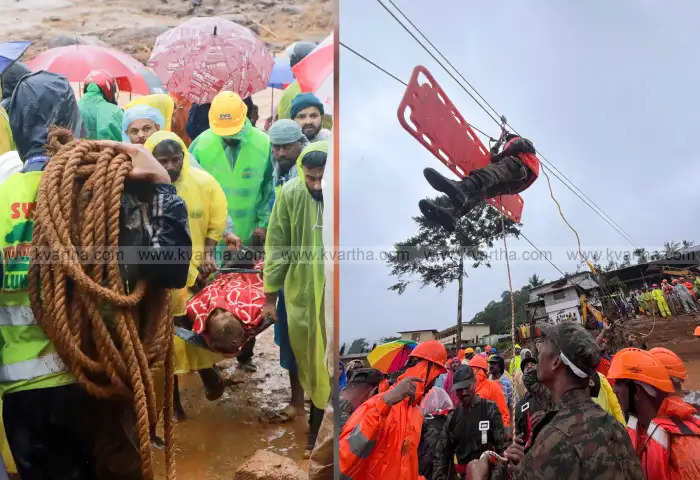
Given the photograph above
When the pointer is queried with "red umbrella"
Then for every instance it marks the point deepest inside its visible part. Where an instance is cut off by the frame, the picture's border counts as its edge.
(204, 56)
(76, 61)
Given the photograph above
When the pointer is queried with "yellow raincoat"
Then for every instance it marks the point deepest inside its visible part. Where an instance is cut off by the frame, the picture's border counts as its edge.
(161, 102)
(206, 208)
(607, 400)
(294, 261)
(6, 142)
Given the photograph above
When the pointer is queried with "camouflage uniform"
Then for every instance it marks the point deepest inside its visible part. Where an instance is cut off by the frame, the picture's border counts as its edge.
(461, 436)
(579, 440)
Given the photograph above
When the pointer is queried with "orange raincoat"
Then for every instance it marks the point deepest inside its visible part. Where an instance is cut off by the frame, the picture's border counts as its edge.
(380, 441)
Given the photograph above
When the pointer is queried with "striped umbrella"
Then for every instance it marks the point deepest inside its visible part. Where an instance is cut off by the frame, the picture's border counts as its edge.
(392, 356)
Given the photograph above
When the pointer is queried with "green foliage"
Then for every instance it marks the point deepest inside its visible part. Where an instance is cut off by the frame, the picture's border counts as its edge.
(388, 339)
(359, 345)
(497, 313)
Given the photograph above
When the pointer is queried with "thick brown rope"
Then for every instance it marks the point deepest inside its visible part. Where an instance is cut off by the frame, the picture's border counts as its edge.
(77, 213)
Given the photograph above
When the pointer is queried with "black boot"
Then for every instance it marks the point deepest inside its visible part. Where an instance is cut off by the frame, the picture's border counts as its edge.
(443, 216)
(457, 190)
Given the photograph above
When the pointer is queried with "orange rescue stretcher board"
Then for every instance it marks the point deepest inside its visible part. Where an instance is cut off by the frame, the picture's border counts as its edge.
(429, 115)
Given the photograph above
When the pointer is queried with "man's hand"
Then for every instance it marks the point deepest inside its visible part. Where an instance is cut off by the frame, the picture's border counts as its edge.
(404, 389)
(478, 469)
(145, 166)
(260, 234)
(208, 266)
(515, 451)
(269, 309)
(232, 241)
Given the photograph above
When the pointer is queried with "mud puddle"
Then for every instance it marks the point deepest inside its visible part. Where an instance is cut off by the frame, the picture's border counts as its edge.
(217, 437)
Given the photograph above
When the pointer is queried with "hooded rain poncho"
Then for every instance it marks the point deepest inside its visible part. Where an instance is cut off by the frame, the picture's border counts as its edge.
(103, 120)
(161, 102)
(140, 112)
(295, 230)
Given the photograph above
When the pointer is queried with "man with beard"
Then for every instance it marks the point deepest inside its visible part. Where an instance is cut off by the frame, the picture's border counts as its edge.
(287, 142)
(307, 111)
(472, 428)
(294, 261)
(381, 438)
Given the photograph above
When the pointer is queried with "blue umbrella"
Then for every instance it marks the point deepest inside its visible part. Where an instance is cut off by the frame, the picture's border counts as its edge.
(281, 74)
(10, 52)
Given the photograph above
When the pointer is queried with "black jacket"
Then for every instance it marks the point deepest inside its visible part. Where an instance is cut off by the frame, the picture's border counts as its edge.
(429, 438)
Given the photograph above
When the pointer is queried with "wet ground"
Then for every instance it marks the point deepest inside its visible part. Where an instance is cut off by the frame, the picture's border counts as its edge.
(217, 437)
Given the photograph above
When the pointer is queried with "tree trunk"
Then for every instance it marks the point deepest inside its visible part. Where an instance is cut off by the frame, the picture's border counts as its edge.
(459, 301)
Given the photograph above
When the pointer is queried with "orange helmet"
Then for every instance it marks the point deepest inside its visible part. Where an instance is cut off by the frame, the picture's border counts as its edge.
(479, 362)
(432, 351)
(640, 365)
(697, 331)
(674, 365)
(488, 348)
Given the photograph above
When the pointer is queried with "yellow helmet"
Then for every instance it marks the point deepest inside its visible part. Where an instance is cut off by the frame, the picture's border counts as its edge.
(227, 114)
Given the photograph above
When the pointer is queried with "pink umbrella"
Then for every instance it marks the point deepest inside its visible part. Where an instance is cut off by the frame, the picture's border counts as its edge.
(315, 73)
(75, 62)
(204, 56)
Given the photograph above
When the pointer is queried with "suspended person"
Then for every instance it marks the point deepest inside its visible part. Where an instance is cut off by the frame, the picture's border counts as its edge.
(497, 373)
(534, 404)
(294, 262)
(514, 364)
(299, 51)
(101, 114)
(576, 439)
(238, 155)
(510, 171)
(206, 209)
(473, 427)
(307, 111)
(287, 142)
(664, 430)
(658, 296)
(381, 438)
(489, 389)
(362, 384)
(54, 428)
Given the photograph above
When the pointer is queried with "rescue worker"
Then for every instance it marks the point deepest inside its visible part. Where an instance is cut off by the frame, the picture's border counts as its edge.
(488, 389)
(307, 111)
(238, 155)
(658, 296)
(54, 428)
(684, 296)
(696, 285)
(98, 107)
(533, 406)
(497, 373)
(472, 428)
(287, 142)
(576, 440)
(664, 430)
(511, 171)
(381, 438)
(206, 209)
(514, 364)
(162, 102)
(688, 285)
(296, 225)
(674, 366)
(468, 353)
(362, 384)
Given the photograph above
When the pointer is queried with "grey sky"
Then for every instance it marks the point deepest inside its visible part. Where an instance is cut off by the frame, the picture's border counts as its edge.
(608, 91)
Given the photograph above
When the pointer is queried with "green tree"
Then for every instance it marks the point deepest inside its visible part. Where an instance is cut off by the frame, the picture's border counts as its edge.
(359, 345)
(438, 257)
(388, 339)
(534, 281)
(641, 254)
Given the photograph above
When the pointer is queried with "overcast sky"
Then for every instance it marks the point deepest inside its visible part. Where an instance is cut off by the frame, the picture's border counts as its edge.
(608, 91)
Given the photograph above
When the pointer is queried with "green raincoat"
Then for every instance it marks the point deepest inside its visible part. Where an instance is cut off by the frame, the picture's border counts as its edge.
(294, 261)
(102, 120)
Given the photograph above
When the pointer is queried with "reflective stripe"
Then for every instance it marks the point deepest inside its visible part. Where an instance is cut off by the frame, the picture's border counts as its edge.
(360, 445)
(659, 435)
(32, 368)
(16, 315)
(632, 423)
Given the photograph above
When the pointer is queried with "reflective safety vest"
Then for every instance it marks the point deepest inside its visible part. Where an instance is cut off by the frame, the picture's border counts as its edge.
(241, 182)
(670, 449)
(25, 350)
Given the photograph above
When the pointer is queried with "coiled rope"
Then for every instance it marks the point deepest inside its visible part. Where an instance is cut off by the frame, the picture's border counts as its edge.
(77, 216)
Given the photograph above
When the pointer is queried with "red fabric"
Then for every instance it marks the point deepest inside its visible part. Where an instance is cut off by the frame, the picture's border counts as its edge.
(239, 293)
(690, 288)
(530, 160)
(603, 367)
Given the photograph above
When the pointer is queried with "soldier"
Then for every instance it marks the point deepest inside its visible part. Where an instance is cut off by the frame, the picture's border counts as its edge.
(531, 409)
(471, 428)
(576, 439)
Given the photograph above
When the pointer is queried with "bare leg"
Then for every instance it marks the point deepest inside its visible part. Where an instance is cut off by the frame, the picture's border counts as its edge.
(177, 404)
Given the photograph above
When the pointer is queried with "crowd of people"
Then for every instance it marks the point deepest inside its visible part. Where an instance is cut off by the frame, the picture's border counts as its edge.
(677, 297)
(558, 411)
(233, 188)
